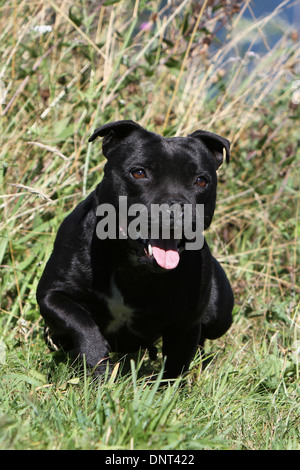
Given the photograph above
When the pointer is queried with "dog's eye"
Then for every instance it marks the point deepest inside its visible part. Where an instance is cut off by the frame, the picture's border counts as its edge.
(139, 174)
(201, 181)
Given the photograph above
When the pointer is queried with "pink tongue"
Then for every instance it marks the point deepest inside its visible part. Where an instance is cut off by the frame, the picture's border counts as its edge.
(165, 255)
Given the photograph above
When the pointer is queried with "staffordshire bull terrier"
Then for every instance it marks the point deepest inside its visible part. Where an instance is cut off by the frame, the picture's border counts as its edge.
(107, 288)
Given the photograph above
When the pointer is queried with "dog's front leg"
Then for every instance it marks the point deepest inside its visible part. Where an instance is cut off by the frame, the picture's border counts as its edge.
(68, 319)
(180, 344)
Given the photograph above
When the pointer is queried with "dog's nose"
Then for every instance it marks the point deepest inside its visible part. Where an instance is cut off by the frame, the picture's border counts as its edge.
(171, 202)
(175, 211)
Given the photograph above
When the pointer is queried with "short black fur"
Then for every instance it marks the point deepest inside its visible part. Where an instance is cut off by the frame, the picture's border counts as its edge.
(98, 296)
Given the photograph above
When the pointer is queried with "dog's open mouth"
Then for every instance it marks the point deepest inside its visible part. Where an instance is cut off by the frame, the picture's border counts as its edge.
(166, 252)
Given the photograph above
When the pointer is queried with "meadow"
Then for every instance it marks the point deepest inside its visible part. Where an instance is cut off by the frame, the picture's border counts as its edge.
(67, 67)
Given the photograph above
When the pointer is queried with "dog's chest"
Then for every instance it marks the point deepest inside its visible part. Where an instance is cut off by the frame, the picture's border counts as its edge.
(121, 314)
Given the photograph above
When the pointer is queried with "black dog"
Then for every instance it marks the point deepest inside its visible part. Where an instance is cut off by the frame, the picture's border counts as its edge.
(121, 294)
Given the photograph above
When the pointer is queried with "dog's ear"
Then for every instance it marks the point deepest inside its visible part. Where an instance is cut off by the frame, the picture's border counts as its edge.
(113, 131)
(215, 144)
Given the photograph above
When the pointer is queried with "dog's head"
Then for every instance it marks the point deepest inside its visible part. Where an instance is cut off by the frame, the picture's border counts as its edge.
(150, 170)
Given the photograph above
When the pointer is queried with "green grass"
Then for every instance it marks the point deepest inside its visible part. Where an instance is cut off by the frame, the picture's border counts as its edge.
(95, 66)
(246, 398)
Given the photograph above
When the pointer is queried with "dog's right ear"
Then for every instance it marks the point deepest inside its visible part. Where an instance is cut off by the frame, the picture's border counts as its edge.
(114, 131)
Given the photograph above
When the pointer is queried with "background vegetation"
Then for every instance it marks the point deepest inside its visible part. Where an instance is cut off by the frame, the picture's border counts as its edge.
(70, 66)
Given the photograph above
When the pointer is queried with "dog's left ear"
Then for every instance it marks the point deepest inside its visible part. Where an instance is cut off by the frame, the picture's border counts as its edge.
(113, 132)
(215, 143)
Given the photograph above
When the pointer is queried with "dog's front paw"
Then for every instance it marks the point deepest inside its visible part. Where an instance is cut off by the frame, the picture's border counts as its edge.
(94, 356)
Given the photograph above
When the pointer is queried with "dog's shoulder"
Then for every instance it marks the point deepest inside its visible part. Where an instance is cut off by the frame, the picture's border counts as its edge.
(83, 210)
(80, 219)
(70, 259)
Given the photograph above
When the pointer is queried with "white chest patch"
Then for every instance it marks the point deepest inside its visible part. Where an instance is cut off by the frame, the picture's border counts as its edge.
(121, 314)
